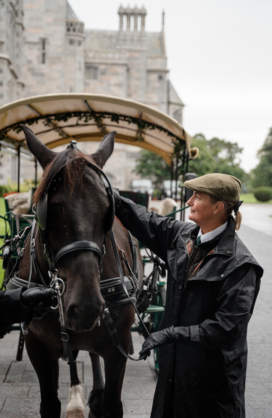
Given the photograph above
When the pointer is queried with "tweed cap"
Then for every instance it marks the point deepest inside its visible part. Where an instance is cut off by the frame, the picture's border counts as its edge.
(217, 185)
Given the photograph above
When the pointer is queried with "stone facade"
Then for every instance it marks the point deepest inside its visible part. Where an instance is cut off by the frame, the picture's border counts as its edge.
(43, 43)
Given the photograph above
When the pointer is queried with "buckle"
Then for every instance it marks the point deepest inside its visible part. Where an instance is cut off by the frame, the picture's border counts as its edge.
(64, 337)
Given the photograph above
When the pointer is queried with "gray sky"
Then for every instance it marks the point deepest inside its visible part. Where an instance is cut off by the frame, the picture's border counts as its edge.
(219, 56)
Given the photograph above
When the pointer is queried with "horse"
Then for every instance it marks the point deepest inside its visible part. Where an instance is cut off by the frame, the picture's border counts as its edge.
(78, 208)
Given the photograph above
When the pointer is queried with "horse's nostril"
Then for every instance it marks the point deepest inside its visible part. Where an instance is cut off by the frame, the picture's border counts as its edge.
(73, 312)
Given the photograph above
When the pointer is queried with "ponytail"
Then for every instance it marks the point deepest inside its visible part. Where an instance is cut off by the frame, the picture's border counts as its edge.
(229, 207)
(238, 220)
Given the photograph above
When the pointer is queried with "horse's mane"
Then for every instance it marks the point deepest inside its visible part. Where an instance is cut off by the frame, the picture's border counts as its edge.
(72, 161)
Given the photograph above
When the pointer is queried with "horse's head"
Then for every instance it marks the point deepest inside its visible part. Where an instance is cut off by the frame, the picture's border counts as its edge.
(78, 208)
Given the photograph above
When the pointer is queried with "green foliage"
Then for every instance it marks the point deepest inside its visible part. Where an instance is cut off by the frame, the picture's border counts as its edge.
(262, 174)
(152, 166)
(3, 189)
(12, 186)
(263, 194)
(217, 156)
(204, 163)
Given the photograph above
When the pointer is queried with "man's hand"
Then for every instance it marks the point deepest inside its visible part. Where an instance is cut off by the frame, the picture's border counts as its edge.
(39, 299)
(157, 339)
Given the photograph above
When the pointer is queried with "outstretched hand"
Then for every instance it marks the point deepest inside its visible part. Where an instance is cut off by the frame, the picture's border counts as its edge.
(157, 339)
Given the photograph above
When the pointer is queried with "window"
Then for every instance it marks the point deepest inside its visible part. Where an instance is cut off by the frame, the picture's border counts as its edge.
(1, 83)
(91, 73)
(160, 77)
(71, 42)
(43, 45)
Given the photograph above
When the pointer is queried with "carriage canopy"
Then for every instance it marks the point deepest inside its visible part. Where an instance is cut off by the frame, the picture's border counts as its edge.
(56, 119)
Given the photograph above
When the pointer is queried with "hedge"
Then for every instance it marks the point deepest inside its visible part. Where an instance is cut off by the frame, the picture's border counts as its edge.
(263, 194)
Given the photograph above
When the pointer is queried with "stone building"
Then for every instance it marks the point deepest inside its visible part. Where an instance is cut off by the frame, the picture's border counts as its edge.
(44, 44)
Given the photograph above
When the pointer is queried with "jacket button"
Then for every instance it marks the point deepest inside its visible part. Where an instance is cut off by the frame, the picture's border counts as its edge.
(222, 275)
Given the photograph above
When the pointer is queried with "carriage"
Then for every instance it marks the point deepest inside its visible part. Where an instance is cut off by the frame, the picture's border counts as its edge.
(58, 119)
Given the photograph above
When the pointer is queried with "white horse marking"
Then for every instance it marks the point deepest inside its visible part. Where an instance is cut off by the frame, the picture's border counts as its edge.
(76, 405)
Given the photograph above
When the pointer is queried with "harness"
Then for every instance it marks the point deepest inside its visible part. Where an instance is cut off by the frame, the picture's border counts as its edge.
(115, 291)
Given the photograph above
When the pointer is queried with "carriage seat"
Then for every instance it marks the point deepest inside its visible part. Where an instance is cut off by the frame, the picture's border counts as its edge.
(19, 203)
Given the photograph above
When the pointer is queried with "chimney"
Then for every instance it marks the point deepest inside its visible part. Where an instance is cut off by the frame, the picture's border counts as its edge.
(121, 12)
(142, 12)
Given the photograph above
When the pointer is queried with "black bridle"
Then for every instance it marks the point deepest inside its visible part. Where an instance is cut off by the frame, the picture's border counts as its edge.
(41, 217)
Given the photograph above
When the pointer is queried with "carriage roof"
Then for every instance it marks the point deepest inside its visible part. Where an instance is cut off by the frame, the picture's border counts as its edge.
(56, 119)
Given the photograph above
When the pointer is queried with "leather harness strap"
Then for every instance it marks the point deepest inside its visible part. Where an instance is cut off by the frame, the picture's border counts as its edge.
(107, 317)
(79, 246)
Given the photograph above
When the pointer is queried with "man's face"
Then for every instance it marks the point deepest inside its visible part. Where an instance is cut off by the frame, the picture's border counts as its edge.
(201, 208)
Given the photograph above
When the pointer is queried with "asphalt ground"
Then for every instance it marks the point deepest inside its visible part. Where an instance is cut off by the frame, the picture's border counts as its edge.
(19, 388)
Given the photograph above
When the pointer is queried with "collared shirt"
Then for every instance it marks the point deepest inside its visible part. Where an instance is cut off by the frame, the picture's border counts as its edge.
(212, 234)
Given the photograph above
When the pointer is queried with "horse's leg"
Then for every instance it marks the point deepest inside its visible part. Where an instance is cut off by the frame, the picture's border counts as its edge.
(76, 405)
(47, 369)
(115, 365)
(97, 394)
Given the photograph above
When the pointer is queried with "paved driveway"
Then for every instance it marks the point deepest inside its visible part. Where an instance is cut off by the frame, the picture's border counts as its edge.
(19, 390)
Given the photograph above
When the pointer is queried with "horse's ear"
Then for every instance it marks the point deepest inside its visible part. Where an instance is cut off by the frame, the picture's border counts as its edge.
(43, 154)
(104, 150)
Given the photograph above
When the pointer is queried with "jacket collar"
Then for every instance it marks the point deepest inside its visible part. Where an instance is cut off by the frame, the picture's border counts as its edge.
(226, 243)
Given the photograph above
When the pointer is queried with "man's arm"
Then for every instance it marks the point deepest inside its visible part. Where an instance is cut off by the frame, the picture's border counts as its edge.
(154, 231)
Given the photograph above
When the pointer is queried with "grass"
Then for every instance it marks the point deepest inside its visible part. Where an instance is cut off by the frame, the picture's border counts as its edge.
(250, 198)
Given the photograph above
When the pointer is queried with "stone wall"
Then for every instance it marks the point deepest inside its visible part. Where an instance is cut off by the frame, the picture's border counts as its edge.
(11, 50)
(45, 45)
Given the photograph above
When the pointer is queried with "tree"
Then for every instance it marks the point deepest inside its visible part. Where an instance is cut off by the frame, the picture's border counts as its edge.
(262, 174)
(152, 166)
(204, 163)
(215, 156)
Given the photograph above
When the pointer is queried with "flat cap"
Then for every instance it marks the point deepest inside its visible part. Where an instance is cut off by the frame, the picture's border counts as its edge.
(217, 185)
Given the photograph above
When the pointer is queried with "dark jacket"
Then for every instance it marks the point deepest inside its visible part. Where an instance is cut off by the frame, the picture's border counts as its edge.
(11, 310)
(204, 377)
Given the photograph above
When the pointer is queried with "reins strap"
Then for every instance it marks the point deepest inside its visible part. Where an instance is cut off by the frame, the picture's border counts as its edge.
(32, 251)
(113, 333)
(107, 317)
